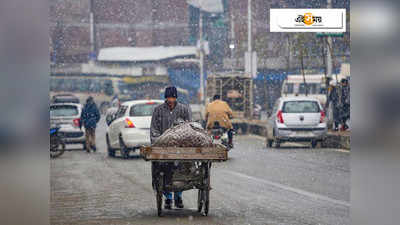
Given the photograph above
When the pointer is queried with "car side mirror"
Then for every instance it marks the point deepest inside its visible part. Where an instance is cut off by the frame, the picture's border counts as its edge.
(109, 119)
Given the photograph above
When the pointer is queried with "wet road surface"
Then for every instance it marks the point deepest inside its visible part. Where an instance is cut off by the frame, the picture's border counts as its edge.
(257, 185)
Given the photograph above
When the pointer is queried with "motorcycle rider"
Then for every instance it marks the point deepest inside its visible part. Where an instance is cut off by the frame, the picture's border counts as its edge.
(219, 111)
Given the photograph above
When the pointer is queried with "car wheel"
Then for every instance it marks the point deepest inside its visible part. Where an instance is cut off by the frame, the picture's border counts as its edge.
(269, 143)
(110, 151)
(277, 143)
(123, 149)
(314, 144)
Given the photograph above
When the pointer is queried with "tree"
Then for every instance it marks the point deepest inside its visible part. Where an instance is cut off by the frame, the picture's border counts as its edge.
(299, 49)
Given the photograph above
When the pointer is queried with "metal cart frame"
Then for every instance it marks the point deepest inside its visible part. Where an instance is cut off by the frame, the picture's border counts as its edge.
(198, 159)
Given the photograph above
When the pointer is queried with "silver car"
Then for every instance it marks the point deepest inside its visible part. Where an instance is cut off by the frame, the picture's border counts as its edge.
(296, 119)
(67, 116)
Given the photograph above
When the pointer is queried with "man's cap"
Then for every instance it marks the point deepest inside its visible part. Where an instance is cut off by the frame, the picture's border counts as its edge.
(171, 92)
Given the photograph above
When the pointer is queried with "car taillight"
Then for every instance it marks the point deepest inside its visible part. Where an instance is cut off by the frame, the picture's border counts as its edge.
(321, 120)
(129, 123)
(279, 117)
(216, 137)
(150, 103)
(76, 122)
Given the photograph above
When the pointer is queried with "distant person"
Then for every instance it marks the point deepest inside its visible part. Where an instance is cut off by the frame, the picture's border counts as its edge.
(345, 100)
(89, 118)
(115, 101)
(334, 101)
(219, 111)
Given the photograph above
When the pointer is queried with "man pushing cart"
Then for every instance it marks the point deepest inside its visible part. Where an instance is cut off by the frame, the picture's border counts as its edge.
(181, 154)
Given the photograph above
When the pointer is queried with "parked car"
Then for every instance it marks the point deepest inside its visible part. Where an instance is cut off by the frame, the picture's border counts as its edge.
(67, 116)
(65, 98)
(129, 128)
(198, 113)
(296, 119)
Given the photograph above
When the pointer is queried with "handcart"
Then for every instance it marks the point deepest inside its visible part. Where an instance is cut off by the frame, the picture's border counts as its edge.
(191, 170)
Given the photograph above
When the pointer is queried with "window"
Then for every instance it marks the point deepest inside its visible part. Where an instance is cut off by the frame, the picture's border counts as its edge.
(289, 88)
(142, 109)
(312, 88)
(121, 111)
(63, 110)
(300, 107)
(302, 88)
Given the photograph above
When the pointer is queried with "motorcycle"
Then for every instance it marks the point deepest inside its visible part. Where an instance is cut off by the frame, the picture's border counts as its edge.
(220, 136)
(57, 145)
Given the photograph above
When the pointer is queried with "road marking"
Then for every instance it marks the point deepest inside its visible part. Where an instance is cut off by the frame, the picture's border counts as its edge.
(291, 189)
(254, 136)
(342, 150)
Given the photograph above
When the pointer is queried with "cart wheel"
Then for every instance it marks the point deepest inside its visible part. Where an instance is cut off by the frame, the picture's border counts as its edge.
(200, 200)
(159, 203)
(206, 192)
(206, 201)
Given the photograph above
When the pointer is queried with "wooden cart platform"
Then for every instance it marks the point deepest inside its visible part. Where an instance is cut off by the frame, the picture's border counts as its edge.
(214, 153)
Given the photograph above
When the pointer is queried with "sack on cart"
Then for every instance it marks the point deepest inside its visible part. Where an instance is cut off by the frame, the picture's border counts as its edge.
(186, 134)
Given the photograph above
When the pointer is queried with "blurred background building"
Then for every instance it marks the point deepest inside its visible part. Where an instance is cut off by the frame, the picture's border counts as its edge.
(147, 23)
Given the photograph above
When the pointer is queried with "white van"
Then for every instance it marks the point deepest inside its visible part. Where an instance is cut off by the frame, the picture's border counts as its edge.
(294, 86)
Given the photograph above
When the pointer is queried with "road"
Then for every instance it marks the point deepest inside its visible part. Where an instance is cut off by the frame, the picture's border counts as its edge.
(257, 185)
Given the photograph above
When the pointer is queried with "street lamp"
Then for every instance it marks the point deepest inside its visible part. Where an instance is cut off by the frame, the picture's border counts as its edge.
(232, 46)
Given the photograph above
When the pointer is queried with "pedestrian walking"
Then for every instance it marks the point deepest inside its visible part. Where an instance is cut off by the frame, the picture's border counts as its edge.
(335, 104)
(90, 116)
(345, 102)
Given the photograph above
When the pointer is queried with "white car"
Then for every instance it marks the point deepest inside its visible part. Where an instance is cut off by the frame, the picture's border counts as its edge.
(297, 119)
(130, 126)
(67, 116)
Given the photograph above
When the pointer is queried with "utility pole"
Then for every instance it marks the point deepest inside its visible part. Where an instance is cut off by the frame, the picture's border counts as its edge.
(232, 44)
(92, 33)
(329, 53)
(249, 49)
(201, 57)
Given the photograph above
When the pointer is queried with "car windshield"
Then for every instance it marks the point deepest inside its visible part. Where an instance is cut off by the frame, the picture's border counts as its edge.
(64, 100)
(143, 109)
(63, 110)
(300, 107)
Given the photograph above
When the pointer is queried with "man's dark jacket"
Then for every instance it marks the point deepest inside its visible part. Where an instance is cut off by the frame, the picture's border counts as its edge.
(163, 118)
(90, 115)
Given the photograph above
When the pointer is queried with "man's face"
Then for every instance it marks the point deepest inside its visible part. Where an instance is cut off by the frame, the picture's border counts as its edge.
(171, 101)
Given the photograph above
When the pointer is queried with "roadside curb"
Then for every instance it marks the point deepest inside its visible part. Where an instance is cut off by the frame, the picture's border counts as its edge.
(336, 140)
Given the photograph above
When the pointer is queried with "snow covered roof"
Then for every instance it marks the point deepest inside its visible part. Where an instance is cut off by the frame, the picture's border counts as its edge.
(211, 6)
(116, 54)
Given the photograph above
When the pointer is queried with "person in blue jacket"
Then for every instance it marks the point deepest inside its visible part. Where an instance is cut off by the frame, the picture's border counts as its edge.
(90, 116)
